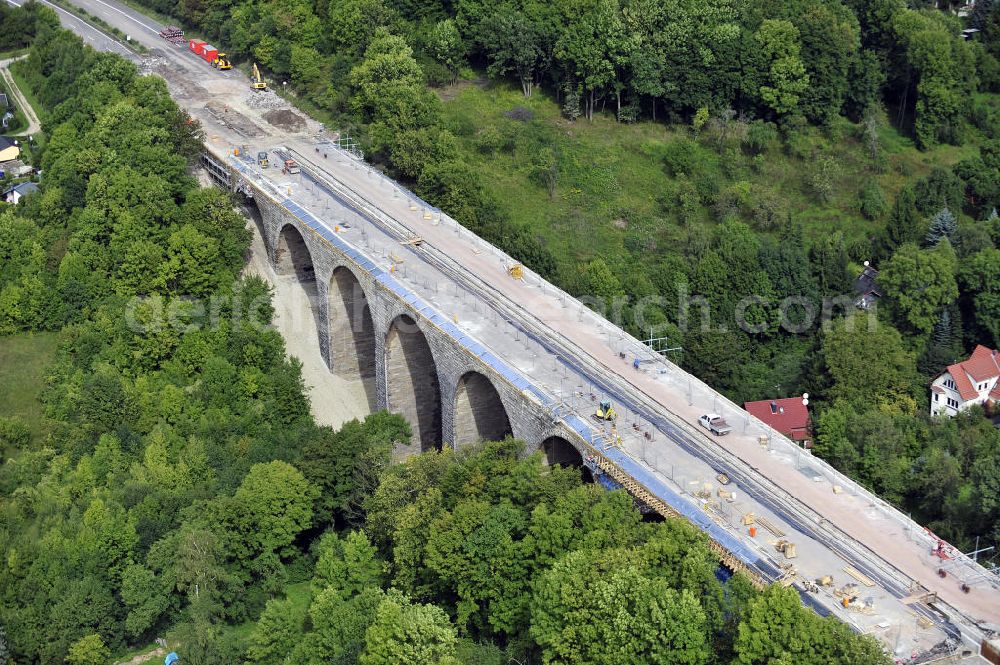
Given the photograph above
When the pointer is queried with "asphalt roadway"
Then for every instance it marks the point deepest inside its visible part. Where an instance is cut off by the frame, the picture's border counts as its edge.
(92, 35)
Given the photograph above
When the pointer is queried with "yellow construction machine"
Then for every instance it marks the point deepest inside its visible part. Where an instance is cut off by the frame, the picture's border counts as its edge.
(605, 411)
(256, 80)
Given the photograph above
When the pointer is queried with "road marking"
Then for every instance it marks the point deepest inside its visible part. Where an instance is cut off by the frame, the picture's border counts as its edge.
(83, 23)
(128, 16)
(88, 26)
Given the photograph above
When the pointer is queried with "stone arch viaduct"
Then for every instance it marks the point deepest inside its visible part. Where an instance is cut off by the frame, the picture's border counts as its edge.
(404, 356)
(407, 355)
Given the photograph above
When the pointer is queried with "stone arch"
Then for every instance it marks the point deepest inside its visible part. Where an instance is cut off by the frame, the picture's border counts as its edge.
(479, 412)
(293, 258)
(292, 255)
(560, 451)
(351, 332)
(411, 381)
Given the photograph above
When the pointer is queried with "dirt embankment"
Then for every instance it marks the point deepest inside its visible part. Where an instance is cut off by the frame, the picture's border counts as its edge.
(286, 119)
(333, 400)
(233, 119)
(138, 659)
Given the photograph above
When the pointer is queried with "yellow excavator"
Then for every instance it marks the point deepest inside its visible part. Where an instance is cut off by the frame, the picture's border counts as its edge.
(257, 81)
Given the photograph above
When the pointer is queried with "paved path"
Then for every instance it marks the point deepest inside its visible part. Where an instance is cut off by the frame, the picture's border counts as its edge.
(34, 126)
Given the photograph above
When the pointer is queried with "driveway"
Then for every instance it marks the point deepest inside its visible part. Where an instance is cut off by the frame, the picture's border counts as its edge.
(34, 126)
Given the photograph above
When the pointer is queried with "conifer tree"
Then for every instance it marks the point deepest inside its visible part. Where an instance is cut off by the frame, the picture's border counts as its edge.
(942, 226)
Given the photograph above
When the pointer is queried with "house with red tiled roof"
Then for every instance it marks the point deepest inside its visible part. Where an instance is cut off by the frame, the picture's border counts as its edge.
(964, 384)
(789, 416)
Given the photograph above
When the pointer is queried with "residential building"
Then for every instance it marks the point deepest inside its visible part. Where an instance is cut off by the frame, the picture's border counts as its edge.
(965, 384)
(788, 416)
(8, 149)
(17, 192)
(15, 168)
(865, 288)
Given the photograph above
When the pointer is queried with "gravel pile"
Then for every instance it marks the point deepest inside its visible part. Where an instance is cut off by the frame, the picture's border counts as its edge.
(151, 64)
(264, 100)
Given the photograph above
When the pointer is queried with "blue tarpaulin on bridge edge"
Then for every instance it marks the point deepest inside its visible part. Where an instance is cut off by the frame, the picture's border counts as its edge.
(660, 489)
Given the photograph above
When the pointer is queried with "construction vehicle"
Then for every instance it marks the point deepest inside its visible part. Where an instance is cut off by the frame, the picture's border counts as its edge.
(262, 159)
(209, 54)
(288, 165)
(516, 271)
(256, 80)
(715, 424)
(605, 411)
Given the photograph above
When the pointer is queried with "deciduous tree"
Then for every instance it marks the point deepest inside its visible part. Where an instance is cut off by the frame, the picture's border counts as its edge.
(868, 365)
(269, 509)
(785, 78)
(89, 650)
(404, 633)
(920, 283)
(980, 277)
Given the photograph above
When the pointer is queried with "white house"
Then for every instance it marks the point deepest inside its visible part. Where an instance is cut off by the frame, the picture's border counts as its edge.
(17, 192)
(972, 381)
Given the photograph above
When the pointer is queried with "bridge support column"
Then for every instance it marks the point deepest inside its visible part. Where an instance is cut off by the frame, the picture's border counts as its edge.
(273, 220)
(381, 386)
(322, 315)
(448, 418)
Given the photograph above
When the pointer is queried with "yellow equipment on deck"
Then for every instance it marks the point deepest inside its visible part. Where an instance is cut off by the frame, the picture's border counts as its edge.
(605, 411)
(257, 81)
(516, 271)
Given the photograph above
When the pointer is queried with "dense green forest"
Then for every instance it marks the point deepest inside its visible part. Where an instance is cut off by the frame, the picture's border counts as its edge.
(738, 152)
(179, 487)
